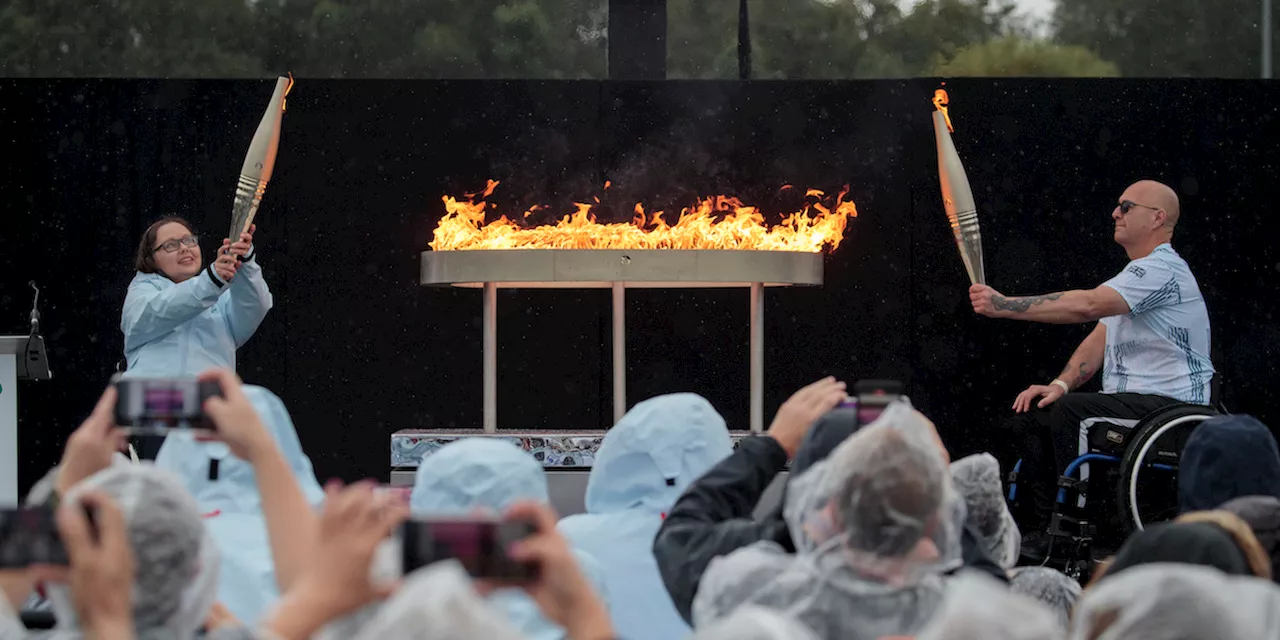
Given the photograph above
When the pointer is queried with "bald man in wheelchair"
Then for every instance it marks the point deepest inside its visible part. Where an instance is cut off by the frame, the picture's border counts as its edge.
(1150, 341)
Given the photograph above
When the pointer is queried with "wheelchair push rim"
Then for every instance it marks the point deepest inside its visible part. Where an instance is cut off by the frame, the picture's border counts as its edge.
(1135, 463)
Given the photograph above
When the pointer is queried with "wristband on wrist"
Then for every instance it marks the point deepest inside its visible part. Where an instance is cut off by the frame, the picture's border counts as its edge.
(1066, 388)
(214, 276)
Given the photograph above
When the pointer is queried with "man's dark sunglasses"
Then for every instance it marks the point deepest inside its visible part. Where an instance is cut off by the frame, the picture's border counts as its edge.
(1127, 205)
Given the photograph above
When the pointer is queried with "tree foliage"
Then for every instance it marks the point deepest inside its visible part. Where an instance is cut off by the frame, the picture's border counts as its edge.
(1012, 56)
(1198, 38)
(817, 39)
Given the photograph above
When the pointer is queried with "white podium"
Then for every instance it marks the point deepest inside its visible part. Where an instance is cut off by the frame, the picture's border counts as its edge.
(20, 357)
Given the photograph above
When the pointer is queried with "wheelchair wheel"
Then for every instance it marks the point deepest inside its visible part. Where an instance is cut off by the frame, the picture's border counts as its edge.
(1151, 458)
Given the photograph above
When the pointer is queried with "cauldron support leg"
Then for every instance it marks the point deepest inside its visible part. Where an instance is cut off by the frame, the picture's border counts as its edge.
(619, 351)
(490, 357)
(757, 357)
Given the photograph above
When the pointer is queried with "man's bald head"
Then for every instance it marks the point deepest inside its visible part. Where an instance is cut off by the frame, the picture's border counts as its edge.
(1145, 216)
(1159, 195)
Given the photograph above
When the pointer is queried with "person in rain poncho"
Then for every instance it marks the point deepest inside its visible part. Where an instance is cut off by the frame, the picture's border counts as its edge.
(176, 561)
(226, 490)
(473, 474)
(1050, 587)
(978, 607)
(724, 509)
(755, 623)
(644, 464)
(874, 525)
(977, 479)
(1178, 602)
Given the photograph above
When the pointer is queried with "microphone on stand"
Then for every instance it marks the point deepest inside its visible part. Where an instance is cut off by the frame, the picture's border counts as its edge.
(35, 363)
(35, 309)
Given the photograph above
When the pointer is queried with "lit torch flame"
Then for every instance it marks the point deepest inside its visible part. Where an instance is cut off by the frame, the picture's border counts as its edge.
(284, 104)
(718, 222)
(940, 102)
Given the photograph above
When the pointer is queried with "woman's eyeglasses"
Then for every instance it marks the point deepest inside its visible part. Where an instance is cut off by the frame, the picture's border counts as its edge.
(1127, 205)
(170, 246)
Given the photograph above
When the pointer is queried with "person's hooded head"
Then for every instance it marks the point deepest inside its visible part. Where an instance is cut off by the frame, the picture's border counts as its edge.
(889, 496)
(873, 525)
(1262, 514)
(1227, 457)
(234, 488)
(490, 475)
(176, 561)
(654, 452)
(232, 504)
(470, 474)
(645, 462)
(1177, 602)
(977, 607)
(977, 480)
(1049, 587)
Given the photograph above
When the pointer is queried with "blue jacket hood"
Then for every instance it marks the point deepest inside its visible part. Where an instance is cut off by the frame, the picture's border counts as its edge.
(1227, 457)
(236, 489)
(471, 473)
(492, 474)
(658, 448)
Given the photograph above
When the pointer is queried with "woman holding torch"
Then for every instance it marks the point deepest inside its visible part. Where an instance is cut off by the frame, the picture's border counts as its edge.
(181, 317)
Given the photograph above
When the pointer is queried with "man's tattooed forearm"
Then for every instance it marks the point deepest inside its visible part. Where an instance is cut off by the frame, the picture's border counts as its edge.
(1020, 305)
(1083, 373)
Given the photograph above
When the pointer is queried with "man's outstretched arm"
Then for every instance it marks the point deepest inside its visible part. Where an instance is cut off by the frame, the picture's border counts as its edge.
(1063, 307)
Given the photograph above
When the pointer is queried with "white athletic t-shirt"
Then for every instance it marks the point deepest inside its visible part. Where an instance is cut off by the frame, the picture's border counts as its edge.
(1161, 346)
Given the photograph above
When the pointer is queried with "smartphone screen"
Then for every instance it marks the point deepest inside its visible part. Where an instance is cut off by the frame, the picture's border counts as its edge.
(145, 405)
(871, 397)
(479, 545)
(29, 536)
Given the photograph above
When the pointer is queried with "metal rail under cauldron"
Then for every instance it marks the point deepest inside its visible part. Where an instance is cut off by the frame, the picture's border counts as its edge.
(619, 269)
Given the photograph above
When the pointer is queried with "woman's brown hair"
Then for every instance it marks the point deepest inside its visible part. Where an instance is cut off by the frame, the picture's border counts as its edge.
(145, 260)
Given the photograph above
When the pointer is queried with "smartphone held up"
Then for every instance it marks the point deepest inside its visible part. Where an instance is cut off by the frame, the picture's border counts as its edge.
(157, 406)
(29, 537)
(479, 544)
(871, 397)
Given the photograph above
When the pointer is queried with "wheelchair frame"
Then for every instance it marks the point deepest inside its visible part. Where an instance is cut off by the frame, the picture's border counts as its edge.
(1142, 438)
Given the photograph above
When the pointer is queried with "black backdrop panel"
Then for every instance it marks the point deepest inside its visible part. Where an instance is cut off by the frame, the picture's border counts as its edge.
(359, 350)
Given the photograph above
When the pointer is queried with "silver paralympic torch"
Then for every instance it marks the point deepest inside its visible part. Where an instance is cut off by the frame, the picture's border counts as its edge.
(957, 197)
(259, 162)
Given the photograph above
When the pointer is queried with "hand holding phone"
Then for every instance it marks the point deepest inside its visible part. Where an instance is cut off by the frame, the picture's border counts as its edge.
(353, 524)
(562, 592)
(91, 447)
(103, 567)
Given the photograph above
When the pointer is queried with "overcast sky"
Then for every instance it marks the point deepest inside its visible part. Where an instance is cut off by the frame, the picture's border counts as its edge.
(1038, 8)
